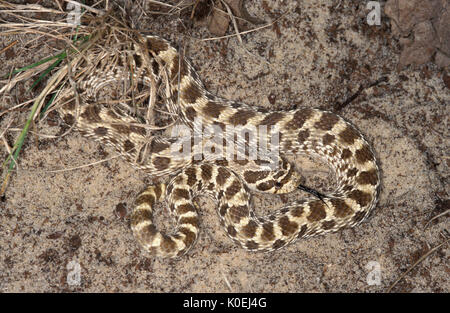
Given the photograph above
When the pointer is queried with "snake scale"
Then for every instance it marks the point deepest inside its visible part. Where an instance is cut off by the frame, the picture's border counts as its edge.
(229, 181)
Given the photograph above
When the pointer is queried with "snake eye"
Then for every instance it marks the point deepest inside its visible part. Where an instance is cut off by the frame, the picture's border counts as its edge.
(278, 184)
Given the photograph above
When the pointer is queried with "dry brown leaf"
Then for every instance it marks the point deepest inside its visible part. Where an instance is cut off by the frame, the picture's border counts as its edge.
(219, 22)
(443, 32)
(423, 28)
(422, 49)
(239, 9)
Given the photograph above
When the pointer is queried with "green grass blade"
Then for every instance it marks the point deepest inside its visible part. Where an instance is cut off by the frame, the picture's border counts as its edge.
(19, 143)
(48, 70)
(25, 68)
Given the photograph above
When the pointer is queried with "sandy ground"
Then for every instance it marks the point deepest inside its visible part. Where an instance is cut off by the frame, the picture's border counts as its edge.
(316, 56)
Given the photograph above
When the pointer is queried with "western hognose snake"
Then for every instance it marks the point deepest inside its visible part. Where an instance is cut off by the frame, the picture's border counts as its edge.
(307, 131)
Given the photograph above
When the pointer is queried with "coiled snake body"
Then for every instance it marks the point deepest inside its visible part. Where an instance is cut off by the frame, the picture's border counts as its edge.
(229, 181)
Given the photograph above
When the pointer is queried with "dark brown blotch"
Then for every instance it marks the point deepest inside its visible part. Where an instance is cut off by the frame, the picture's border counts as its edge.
(223, 209)
(268, 233)
(241, 117)
(327, 121)
(297, 211)
(233, 189)
(158, 191)
(231, 231)
(287, 227)
(167, 244)
(121, 128)
(155, 66)
(272, 118)
(252, 177)
(327, 139)
(191, 93)
(361, 197)
(251, 245)
(138, 130)
(69, 119)
(303, 135)
(236, 213)
(363, 155)
(180, 194)
(128, 145)
(328, 225)
(193, 220)
(221, 162)
(266, 185)
(141, 215)
(206, 172)
(368, 178)
(278, 244)
(299, 118)
(341, 209)
(179, 65)
(137, 59)
(149, 230)
(302, 231)
(241, 162)
(190, 113)
(191, 176)
(352, 172)
(213, 108)
(249, 230)
(161, 163)
(91, 114)
(317, 211)
(349, 135)
(157, 146)
(222, 176)
(156, 45)
(189, 236)
(185, 208)
(346, 153)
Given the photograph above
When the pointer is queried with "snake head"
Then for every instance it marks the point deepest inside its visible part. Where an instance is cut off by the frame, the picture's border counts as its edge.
(288, 182)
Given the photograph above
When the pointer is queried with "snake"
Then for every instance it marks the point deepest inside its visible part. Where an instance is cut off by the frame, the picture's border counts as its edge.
(230, 181)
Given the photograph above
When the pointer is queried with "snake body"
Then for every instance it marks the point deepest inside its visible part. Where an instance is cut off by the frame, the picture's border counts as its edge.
(229, 181)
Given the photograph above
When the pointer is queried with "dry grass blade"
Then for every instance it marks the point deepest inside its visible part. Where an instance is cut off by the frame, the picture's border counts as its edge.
(26, 8)
(12, 44)
(436, 217)
(233, 19)
(227, 282)
(29, 71)
(161, 3)
(86, 165)
(106, 37)
(247, 31)
(86, 7)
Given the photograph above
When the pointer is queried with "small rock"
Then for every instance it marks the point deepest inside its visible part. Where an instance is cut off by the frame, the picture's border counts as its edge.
(121, 210)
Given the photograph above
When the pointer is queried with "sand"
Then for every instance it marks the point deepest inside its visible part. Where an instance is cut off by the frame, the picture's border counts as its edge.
(317, 55)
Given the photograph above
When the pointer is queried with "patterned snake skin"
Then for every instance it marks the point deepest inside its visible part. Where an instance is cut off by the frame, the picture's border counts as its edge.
(304, 131)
